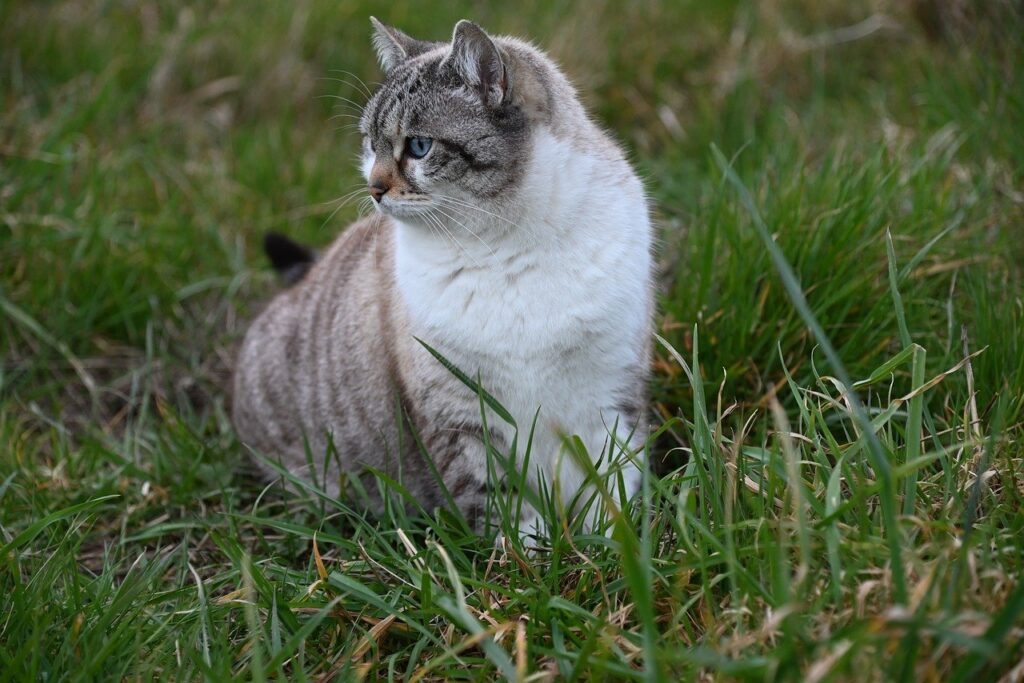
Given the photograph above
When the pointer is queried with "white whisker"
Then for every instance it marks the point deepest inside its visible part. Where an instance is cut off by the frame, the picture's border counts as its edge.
(465, 227)
(358, 107)
(467, 205)
(362, 87)
(462, 202)
(343, 200)
(431, 224)
(344, 116)
(441, 225)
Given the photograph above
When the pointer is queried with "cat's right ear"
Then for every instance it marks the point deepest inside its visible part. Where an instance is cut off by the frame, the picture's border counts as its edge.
(394, 47)
(478, 61)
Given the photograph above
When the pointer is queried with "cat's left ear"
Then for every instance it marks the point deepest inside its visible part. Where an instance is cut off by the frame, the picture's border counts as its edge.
(394, 47)
(478, 62)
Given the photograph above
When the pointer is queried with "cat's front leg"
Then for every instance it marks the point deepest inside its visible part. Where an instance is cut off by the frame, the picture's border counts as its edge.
(618, 461)
(460, 460)
(460, 455)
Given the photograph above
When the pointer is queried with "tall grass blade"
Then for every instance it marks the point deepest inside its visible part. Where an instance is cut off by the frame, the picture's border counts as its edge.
(879, 461)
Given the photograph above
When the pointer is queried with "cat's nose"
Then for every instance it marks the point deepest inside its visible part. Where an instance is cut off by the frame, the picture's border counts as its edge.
(377, 189)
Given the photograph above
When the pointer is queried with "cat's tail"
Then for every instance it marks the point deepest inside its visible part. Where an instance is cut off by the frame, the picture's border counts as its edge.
(290, 259)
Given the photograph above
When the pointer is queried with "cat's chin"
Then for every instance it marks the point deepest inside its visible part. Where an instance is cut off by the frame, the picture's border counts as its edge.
(406, 211)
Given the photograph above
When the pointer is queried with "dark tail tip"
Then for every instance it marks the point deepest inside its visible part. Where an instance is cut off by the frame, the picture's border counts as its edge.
(290, 259)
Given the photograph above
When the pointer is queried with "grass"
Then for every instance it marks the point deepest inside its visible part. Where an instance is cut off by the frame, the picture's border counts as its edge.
(839, 198)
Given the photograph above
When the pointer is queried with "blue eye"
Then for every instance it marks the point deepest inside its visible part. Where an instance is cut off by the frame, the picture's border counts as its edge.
(418, 147)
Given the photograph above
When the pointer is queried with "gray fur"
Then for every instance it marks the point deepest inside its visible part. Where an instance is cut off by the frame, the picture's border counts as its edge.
(394, 47)
(481, 136)
(327, 363)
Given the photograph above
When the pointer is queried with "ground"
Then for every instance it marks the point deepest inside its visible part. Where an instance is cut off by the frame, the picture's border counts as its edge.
(838, 189)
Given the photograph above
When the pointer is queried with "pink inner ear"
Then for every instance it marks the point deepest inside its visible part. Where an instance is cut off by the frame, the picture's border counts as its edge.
(478, 60)
(394, 46)
(492, 72)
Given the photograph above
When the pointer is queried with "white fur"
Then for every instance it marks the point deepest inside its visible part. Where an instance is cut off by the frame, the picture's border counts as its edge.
(571, 325)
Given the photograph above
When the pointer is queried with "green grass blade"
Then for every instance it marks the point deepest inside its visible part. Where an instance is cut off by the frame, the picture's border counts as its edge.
(877, 453)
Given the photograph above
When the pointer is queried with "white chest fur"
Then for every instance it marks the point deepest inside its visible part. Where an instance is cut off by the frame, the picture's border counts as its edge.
(550, 305)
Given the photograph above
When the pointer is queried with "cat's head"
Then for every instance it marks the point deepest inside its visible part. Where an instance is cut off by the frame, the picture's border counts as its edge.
(450, 124)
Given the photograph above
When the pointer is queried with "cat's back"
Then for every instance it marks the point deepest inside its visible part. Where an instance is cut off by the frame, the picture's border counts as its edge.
(310, 363)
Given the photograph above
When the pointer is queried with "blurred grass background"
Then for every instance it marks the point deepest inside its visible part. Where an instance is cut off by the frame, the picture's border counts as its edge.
(145, 147)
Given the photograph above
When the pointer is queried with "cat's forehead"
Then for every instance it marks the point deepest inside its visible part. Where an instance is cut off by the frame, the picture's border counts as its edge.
(421, 96)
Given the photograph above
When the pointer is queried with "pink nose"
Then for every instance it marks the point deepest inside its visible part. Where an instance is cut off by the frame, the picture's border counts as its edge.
(378, 189)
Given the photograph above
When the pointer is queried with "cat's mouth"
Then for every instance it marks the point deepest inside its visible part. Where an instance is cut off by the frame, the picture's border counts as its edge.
(404, 207)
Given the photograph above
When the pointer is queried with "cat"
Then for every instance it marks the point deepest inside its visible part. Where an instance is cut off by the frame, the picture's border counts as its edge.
(512, 236)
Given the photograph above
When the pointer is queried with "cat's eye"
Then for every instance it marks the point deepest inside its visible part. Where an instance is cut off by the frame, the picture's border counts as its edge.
(417, 147)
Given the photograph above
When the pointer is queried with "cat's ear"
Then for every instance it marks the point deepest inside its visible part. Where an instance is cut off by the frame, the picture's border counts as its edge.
(478, 62)
(394, 47)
